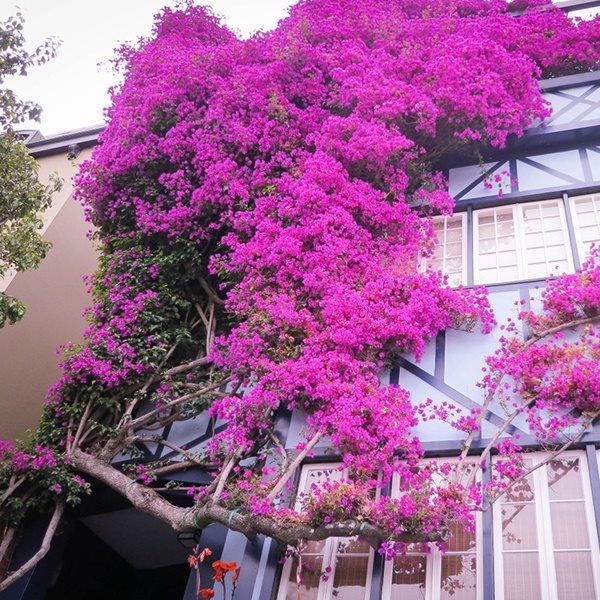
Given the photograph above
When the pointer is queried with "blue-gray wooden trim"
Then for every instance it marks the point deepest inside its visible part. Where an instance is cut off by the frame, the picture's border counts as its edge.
(378, 559)
(525, 298)
(521, 197)
(572, 129)
(529, 157)
(455, 395)
(165, 434)
(487, 540)
(592, 460)
(570, 5)
(571, 231)
(514, 175)
(440, 356)
(264, 584)
(480, 179)
(528, 160)
(578, 79)
(34, 584)
(212, 537)
(196, 441)
(585, 165)
(470, 247)
(574, 101)
(377, 576)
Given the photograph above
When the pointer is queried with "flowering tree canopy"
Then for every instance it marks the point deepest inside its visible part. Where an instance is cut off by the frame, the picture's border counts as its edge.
(262, 207)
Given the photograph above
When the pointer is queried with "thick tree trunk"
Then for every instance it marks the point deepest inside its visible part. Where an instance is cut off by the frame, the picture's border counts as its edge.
(191, 519)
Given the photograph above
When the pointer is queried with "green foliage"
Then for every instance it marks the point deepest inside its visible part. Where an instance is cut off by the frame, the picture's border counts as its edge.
(22, 197)
(16, 60)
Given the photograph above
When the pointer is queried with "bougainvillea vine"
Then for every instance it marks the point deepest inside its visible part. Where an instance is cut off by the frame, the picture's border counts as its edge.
(262, 208)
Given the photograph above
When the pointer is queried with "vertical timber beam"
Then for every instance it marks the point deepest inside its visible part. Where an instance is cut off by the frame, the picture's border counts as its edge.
(592, 460)
(487, 536)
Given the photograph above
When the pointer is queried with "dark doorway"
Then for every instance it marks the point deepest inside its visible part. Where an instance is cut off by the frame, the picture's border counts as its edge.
(92, 570)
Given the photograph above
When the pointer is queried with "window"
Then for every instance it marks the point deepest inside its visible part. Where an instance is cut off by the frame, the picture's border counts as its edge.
(451, 250)
(522, 241)
(350, 559)
(586, 218)
(432, 575)
(546, 547)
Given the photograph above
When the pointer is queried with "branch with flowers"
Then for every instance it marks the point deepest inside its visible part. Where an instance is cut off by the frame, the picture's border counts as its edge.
(261, 208)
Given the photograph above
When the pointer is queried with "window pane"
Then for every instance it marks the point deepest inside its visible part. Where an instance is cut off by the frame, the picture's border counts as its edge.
(459, 577)
(587, 210)
(584, 205)
(549, 209)
(508, 273)
(309, 579)
(536, 255)
(455, 279)
(552, 223)
(554, 237)
(574, 576)
(448, 253)
(558, 267)
(589, 234)
(545, 240)
(506, 225)
(487, 261)
(460, 540)
(587, 219)
(569, 525)
(537, 270)
(350, 578)
(454, 235)
(497, 258)
(506, 259)
(534, 240)
(487, 276)
(487, 245)
(453, 250)
(408, 580)
(533, 226)
(486, 231)
(519, 527)
(507, 243)
(564, 479)
(357, 545)
(521, 576)
(522, 491)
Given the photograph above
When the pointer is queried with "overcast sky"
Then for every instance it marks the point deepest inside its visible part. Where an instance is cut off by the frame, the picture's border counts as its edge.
(72, 87)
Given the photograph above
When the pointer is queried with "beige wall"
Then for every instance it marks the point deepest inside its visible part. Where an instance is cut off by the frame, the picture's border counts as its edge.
(55, 298)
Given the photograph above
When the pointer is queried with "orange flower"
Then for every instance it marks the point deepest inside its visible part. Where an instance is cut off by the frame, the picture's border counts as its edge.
(206, 552)
(192, 560)
(222, 568)
(206, 593)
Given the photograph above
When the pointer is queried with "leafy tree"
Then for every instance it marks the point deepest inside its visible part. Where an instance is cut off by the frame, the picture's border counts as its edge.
(262, 206)
(22, 197)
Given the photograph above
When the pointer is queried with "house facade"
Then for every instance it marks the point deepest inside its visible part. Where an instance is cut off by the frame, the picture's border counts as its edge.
(523, 214)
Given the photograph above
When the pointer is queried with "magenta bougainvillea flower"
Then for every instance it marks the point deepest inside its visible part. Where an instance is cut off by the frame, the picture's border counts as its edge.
(297, 172)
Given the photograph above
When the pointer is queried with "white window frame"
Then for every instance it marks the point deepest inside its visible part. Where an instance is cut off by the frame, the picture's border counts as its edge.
(545, 550)
(577, 224)
(433, 569)
(426, 261)
(517, 213)
(325, 590)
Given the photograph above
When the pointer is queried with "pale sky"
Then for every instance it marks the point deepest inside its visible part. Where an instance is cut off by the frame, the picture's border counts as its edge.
(72, 88)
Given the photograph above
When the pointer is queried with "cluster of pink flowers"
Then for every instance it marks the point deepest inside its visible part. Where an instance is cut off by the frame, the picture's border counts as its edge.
(39, 458)
(296, 170)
